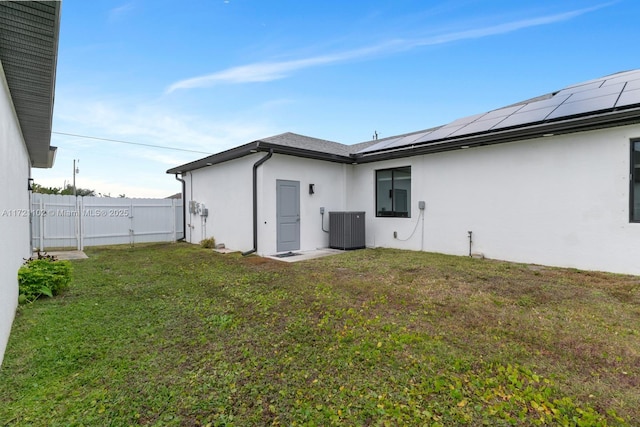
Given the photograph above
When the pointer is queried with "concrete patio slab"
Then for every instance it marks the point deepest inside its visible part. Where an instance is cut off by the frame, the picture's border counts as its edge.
(65, 254)
(305, 255)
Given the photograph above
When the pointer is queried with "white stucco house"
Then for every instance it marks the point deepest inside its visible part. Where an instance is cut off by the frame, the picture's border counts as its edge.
(28, 55)
(553, 180)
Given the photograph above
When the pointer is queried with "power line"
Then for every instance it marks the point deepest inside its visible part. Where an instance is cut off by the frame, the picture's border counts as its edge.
(131, 143)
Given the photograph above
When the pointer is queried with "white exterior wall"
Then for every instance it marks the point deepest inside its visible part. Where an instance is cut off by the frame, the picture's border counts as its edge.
(226, 190)
(561, 201)
(330, 192)
(14, 208)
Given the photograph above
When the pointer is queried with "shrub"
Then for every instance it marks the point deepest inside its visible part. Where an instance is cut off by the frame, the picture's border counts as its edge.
(43, 276)
(209, 243)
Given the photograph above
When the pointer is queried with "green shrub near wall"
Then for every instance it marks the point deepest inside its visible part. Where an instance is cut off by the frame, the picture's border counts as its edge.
(209, 243)
(42, 277)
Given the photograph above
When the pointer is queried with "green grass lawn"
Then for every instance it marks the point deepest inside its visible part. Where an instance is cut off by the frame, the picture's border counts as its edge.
(174, 334)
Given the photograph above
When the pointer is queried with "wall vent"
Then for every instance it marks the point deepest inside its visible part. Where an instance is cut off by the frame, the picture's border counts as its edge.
(346, 230)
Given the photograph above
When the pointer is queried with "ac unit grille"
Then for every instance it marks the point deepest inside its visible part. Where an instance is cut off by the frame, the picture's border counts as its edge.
(346, 230)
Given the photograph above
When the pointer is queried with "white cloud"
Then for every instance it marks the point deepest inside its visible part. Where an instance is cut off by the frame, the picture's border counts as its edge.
(499, 29)
(259, 72)
(269, 71)
(167, 159)
(152, 124)
(137, 171)
(120, 11)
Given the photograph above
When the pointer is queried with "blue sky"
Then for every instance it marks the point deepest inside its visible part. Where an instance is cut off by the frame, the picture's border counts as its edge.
(208, 75)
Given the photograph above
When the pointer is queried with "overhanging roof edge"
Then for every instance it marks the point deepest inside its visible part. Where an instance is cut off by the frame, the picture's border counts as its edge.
(214, 159)
(256, 146)
(30, 72)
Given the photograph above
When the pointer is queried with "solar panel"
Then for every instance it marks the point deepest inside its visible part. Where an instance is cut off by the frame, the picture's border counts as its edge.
(629, 97)
(545, 103)
(620, 78)
(632, 84)
(595, 93)
(525, 117)
(502, 112)
(379, 146)
(478, 126)
(582, 87)
(443, 132)
(409, 139)
(617, 90)
(584, 106)
(465, 120)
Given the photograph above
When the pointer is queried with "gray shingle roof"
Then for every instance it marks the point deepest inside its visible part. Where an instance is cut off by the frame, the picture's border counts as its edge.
(285, 143)
(294, 140)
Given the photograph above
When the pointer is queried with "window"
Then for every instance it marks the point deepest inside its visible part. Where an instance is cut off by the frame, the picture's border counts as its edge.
(634, 191)
(393, 192)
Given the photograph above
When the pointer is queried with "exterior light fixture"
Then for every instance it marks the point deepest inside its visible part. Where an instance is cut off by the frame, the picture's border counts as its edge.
(312, 188)
(30, 184)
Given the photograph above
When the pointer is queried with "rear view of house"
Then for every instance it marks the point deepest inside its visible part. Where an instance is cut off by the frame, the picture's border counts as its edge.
(28, 55)
(553, 180)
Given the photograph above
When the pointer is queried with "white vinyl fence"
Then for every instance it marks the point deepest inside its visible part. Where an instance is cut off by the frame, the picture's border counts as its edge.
(75, 222)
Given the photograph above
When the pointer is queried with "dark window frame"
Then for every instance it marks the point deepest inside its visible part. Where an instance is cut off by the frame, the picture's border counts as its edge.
(392, 213)
(634, 174)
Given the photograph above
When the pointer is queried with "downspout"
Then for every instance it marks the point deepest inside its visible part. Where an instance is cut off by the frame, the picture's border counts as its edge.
(184, 207)
(190, 199)
(255, 202)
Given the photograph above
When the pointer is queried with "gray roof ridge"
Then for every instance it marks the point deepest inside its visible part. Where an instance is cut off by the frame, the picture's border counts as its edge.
(310, 143)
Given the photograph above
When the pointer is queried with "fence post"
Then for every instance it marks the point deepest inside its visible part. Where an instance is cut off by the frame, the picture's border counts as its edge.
(81, 221)
(132, 231)
(172, 218)
(41, 223)
(77, 223)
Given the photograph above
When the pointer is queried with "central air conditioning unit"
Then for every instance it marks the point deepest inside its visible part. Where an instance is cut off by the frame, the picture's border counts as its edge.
(346, 230)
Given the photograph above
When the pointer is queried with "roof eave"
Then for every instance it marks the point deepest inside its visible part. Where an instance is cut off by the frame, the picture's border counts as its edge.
(32, 89)
(225, 156)
(254, 147)
(308, 154)
(50, 159)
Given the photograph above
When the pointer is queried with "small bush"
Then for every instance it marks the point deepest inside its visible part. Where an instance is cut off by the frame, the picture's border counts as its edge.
(43, 276)
(209, 243)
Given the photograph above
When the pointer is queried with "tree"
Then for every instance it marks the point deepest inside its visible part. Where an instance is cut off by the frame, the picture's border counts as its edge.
(68, 190)
(37, 188)
(79, 191)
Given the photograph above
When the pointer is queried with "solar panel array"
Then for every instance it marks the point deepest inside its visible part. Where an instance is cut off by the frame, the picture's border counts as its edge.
(609, 93)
